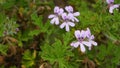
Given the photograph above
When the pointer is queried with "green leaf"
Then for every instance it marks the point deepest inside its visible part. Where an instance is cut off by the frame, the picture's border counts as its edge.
(8, 4)
(2, 19)
(37, 20)
(67, 37)
(28, 55)
(34, 33)
(28, 59)
(57, 52)
(3, 49)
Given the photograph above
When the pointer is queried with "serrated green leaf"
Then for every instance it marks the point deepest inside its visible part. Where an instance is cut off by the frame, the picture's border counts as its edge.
(57, 52)
(3, 49)
(37, 20)
(28, 55)
(34, 32)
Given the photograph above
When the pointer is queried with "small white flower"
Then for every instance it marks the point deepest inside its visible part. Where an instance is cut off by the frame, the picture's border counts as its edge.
(112, 7)
(84, 38)
(80, 36)
(66, 22)
(55, 17)
(110, 1)
(67, 19)
(69, 9)
(90, 38)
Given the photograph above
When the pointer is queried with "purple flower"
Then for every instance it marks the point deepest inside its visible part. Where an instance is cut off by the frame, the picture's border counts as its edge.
(80, 36)
(110, 1)
(84, 38)
(55, 17)
(17, 29)
(112, 7)
(65, 19)
(69, 9)
(90, 38)
(67, 22)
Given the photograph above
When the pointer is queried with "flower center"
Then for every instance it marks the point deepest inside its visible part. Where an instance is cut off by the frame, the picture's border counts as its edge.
(66, 19)
(80, 39)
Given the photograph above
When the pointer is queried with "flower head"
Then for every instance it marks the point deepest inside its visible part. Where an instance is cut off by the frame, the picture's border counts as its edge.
(110, 1)
(69, 9)
(90, 38)
(80, 36)
(55, 17)
(66, 22)
(65, 19)
(58, 10)
(112, 6)
(84, 38)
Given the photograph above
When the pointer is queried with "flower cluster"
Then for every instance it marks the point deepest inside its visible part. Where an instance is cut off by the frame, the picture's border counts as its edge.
(84, 38)
(67, 18)
(112, 6)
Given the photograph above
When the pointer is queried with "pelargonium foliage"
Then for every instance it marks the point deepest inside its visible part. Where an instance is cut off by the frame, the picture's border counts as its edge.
(84, 38)
(64, 19)
(10, 27)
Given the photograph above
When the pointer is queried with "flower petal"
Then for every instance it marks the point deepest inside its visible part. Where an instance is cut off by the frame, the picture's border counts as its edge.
(110, 1)
(69, 9)
(88, 33)
(56, 9)
(75, 44)
(113, 7)
(51, 16)
(62, 25)
(67, 28)
(70, 16)
(71, 24)
(93, 42)
(76, 14)
(88, 44)
(61, 11)
(83, 34)
(91, 37)
(77, 34)
(57, 21)
(82, 47)
(76, 19)
(64, 16)
(52, 21)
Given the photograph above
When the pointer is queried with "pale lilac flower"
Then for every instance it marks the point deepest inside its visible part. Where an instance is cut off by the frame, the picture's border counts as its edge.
(55, 17)
(90, 38)
(80, 36)
(84, 38)
(112, 6)
(110, 1)
(67, 22)
(17, 29)
(69, 9)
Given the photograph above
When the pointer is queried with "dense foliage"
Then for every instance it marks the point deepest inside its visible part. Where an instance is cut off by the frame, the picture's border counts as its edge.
(29, 40)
